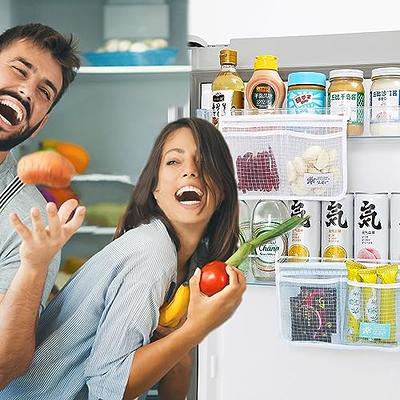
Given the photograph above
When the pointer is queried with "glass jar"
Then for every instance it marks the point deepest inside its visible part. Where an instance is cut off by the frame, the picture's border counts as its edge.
(346, 93)
(306, 90)
(385, 102)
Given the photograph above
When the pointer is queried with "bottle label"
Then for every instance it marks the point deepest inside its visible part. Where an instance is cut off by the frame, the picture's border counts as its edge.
(352, 102)
(385, 105)
(266, 253)
(303, 99)
(263, 96)
(224, 101)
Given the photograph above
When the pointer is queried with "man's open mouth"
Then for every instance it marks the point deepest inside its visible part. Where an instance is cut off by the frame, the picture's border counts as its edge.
(189, 195)
(10, 113)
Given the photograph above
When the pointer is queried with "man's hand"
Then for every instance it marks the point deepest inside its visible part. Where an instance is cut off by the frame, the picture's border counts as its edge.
(41, 243)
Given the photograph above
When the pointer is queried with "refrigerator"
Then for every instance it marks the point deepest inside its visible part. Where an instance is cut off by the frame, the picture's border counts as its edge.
(247, 358)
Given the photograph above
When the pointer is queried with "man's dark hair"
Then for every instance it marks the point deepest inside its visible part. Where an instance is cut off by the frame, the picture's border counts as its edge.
(63, 49)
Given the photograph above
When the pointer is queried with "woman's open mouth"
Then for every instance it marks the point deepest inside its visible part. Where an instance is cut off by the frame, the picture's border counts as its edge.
(189, 195)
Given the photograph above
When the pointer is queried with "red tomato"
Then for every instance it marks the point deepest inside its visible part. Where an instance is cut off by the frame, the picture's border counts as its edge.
(213, 277)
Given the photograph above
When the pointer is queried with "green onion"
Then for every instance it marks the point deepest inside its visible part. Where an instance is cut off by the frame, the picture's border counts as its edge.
(247, 247)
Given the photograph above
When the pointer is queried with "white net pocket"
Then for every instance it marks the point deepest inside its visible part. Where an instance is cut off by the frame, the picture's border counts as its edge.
(288, 156)
(318, 304)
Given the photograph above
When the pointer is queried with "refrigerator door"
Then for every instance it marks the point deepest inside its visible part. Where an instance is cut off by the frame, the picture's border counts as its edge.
(246, 358)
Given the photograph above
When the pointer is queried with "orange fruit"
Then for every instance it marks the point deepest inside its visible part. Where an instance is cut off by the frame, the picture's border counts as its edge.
(335, 252)
(299, 253)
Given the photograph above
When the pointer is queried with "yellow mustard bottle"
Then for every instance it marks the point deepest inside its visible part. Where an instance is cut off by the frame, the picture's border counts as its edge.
(265, 88)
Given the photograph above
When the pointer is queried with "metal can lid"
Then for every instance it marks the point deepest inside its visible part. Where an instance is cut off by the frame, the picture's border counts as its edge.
(346, 73)
(390, 71)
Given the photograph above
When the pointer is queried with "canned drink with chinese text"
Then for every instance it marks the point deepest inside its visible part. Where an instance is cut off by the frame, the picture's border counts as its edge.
(371, 226)
(395, 227)
(337, 228)
(305, 240)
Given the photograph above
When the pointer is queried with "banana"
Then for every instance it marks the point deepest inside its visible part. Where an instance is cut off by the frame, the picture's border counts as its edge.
(48, 143)
(171, 313)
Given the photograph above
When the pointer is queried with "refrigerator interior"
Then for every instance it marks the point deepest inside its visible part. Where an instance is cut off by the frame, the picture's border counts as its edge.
(246, 358)
(114, 112)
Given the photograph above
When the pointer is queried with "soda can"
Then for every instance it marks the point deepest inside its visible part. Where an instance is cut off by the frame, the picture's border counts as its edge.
(371, 226)
(395, 227)
(305, 240)
(337, 228)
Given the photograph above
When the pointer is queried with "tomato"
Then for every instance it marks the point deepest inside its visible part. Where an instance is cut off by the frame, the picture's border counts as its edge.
(213, 277)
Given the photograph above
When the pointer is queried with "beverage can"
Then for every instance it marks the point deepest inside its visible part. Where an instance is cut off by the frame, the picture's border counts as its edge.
(305, 240)
(371, 226)
(395, 227)
(337, 228)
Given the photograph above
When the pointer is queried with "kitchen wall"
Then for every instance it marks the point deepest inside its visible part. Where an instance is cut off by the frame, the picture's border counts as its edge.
(219, 21)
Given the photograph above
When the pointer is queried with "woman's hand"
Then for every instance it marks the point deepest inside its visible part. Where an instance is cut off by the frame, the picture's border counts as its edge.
(41, 243)
(207, 313)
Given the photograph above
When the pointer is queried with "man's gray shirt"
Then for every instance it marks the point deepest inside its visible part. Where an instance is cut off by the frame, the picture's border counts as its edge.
(21, 204)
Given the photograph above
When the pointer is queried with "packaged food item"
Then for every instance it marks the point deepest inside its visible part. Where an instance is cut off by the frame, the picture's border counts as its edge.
(395, 227)
(313, 171)
(354, 301)
(388, 305)
(268, 214)
(370, 298)
(305, 240)
(306, 90)
(385, 101)
(346, 94)
(337, 229)
(314, 314)
(257, 171)
(227, 87)
(244, 229)
(265, 88)
(371, 226)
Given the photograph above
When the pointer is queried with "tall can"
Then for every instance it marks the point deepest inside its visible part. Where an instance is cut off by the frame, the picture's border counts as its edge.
(244, 229)
(267, 214)
(371, 226)
(305, 240)
(337, 228)
(395, 227)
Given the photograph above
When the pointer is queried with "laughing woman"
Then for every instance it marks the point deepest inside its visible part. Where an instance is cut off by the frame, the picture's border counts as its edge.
(94, 339)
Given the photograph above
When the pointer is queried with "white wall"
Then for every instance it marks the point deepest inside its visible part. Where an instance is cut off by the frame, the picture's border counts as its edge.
(218, 21)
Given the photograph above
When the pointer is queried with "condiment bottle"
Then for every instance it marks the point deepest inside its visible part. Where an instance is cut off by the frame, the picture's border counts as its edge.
(306, 90)
(346, 93)
(265, 88)
(267, 214)
(227, 87)
(385, 101)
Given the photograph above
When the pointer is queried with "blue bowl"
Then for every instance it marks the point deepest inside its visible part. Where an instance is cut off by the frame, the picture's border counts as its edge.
(164, 56)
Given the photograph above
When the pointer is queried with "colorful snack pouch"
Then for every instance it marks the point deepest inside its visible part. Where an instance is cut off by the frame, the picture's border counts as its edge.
(354, 301)
(370, 299)
(388, 307)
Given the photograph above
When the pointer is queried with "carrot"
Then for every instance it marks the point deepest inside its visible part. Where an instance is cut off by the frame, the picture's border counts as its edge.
(46, 168)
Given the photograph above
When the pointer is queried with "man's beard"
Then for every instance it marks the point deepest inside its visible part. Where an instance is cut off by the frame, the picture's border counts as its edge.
(17, 138)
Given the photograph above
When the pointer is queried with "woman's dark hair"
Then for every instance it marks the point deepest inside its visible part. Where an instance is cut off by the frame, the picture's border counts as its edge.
(215, 165)
(63, 49)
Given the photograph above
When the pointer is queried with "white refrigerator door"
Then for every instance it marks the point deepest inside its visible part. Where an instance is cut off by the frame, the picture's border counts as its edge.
(245, 359)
